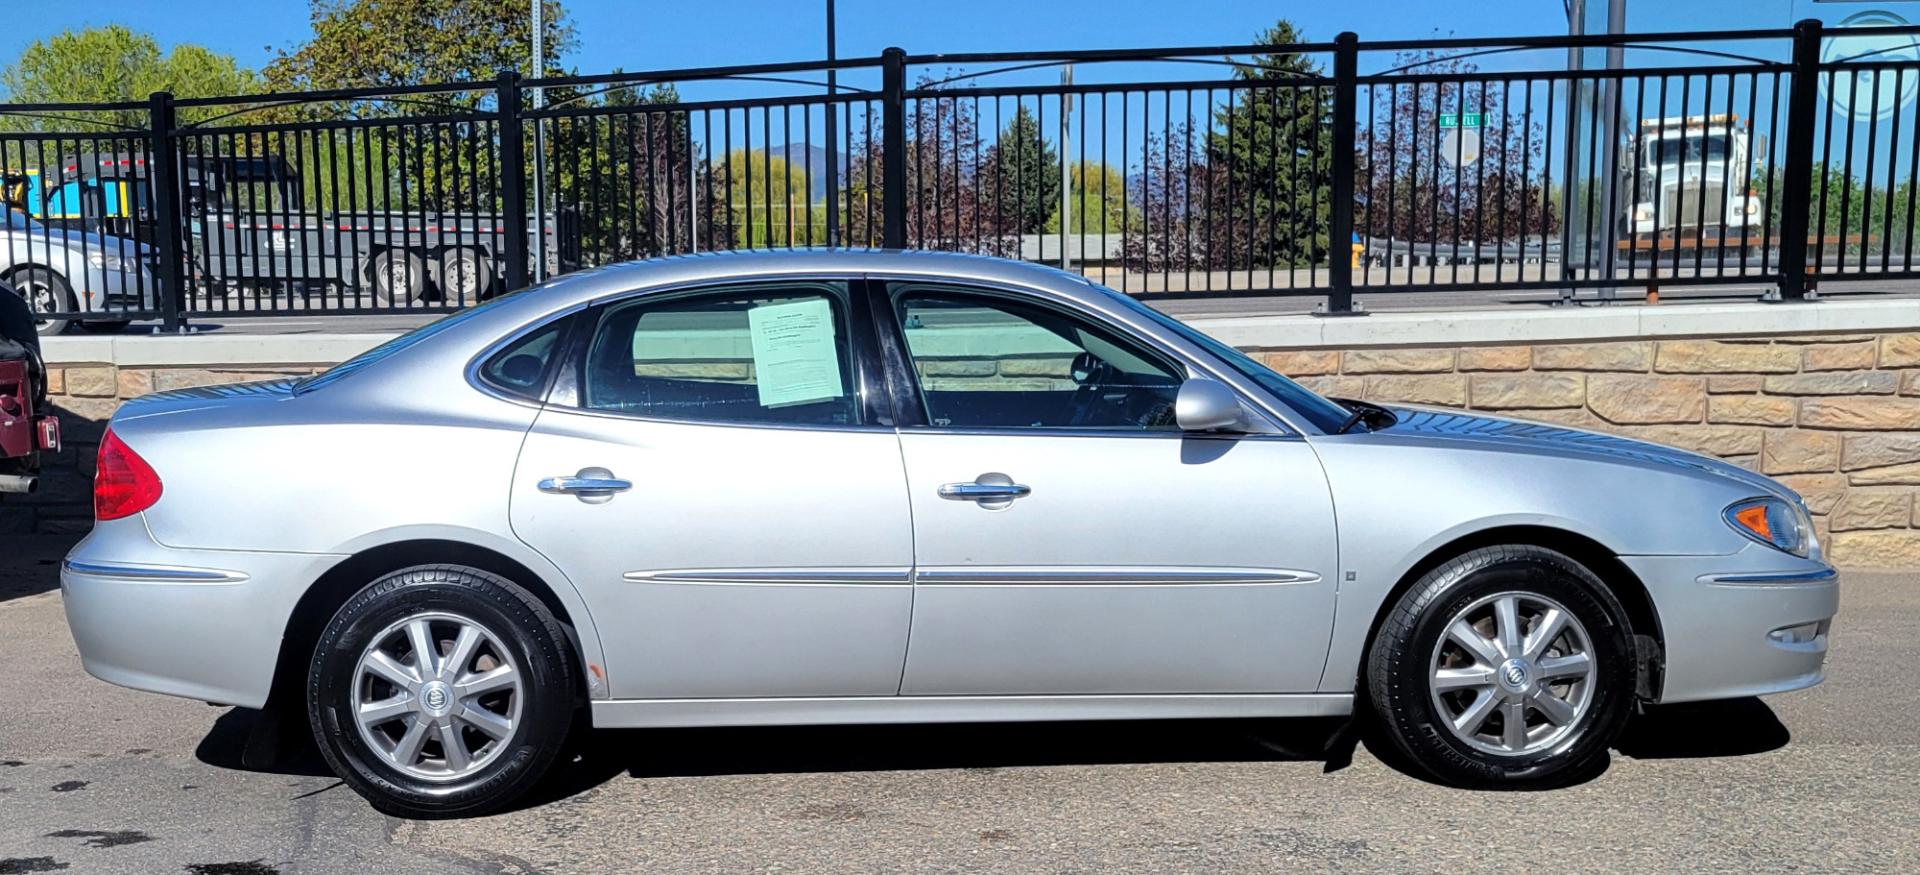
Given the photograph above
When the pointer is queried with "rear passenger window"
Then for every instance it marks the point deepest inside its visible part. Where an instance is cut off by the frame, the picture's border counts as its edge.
(762, 355)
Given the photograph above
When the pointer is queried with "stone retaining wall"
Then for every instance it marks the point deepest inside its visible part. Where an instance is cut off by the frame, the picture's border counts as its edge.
(1835, 416)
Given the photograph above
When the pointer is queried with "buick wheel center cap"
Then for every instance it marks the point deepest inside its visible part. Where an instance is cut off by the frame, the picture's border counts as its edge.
(1514, 676)
(436, 698)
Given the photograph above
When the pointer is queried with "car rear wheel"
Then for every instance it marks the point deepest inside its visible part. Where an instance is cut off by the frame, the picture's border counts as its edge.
(1509, 666)
(441, 691)
(46, 292)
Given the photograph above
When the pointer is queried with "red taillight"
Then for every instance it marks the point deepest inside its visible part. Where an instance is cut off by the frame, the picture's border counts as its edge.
(123, 483)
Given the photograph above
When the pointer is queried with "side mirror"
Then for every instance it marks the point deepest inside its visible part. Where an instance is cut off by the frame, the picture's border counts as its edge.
(1204, 405)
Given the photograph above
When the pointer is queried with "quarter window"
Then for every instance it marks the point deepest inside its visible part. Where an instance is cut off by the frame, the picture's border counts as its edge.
(521, 368)
(761, 355)
(984, 361)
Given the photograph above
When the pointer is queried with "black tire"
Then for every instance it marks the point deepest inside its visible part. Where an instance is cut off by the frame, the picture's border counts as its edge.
(1401, 662)
(46, 291)
(399, 277)
(535, 643)
(466, 276)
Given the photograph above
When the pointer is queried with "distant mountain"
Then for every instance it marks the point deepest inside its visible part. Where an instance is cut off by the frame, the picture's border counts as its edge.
(812, 158)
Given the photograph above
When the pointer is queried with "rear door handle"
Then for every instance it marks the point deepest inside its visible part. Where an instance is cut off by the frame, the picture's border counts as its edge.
(984, 491)
(992, 491)
(591, 485)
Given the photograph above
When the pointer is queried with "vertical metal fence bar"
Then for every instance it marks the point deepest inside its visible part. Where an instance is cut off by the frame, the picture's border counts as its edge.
(513, 179)
(1346, 90)
(893, 127)
(1797, 184)
(163, 168)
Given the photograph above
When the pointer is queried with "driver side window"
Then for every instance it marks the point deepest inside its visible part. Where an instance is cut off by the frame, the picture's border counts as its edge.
(986, 361)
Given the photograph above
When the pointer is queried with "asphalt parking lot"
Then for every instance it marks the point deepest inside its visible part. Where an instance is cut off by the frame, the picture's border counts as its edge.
(94, 778)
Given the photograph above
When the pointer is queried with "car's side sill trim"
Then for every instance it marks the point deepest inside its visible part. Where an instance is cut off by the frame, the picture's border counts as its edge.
(1149, 575)
(635, 713)
(773, 576)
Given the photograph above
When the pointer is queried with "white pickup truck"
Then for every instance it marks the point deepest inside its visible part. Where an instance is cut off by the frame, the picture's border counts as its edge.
(71, 276)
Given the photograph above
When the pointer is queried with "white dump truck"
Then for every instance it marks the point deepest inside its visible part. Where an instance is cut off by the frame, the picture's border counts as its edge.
(1692, 187)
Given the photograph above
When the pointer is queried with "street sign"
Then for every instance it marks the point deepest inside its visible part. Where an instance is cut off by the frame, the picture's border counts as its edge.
(1451, 120)
(1460, 146)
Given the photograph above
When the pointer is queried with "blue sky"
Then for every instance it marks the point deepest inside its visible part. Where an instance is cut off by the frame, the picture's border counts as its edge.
(664, 33)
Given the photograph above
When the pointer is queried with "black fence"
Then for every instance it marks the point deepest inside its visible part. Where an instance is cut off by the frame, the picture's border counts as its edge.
(1779, 159)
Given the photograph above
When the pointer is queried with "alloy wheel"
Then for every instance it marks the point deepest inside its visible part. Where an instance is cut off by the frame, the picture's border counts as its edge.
(1513, 674)
(437, 695)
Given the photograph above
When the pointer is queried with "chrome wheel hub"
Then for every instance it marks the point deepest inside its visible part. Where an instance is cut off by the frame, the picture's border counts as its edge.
(437, 696)
(1513, 674)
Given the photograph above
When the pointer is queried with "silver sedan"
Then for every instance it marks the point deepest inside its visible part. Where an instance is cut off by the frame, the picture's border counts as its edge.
(891, 487)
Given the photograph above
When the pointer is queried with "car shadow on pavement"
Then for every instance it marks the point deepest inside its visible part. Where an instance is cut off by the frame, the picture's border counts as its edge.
(603, 755)
(30, 564)
(1738, 727)
(1728, 728)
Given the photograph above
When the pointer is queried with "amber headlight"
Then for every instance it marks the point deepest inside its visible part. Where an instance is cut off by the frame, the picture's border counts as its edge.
(1771, 521)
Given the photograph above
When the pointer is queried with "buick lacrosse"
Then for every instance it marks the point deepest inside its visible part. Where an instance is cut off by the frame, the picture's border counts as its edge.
(838, 487)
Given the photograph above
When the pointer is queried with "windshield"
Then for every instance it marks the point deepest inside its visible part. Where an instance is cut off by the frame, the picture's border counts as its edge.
(1324, 414)
(17, 221)
(398, 344)
(1675, 149)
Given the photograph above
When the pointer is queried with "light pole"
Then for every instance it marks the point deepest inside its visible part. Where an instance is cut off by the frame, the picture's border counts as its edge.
(539, 68)
(833, 138)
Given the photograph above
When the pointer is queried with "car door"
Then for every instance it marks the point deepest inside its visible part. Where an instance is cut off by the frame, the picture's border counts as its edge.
(710, 474)
(1070, 539)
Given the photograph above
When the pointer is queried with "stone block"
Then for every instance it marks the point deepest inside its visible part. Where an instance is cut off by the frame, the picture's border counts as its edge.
(1723, 441)
(1397, 361)
(1900, 351)
(1303, 362)
(1594, 357)
(1716, 357)
(1799, 452)
(1750, 410)
(1496, 358)
(1838, 357)
(1861, 414)
(1879, 450)
(1647, 400)
(1528, 391)
(93, 382)
(1834, 383)
(1445, 390)
(1887, 548)
(1872, 509)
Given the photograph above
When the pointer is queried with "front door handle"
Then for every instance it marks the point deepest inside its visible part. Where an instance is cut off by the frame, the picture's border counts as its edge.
(992, 491)
(591, 485)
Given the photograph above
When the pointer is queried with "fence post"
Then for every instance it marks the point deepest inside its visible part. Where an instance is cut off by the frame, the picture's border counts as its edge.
(1346, 94)
(163, 166)
(893, 148)
(513, 180)
(1796, 196)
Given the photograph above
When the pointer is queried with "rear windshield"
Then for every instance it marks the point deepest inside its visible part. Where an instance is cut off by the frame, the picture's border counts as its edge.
(396, 345)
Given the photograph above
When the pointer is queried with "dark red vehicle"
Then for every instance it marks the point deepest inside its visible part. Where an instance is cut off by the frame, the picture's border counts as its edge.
(27, 427)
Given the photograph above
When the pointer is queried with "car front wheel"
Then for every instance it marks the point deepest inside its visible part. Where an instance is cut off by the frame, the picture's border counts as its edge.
(1508, 666)
(441, 691)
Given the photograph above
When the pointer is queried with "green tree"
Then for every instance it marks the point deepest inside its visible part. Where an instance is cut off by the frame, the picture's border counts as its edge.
(378, 43)
(1094, 200)
(1023, 175)
(767, 197)
(114, 64)
(1272, 149)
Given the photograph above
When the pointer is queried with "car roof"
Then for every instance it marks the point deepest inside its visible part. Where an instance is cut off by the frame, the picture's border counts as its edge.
(677, 270)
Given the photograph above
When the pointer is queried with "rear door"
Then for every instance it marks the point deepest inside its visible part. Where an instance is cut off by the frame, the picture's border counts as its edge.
(712, 477)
